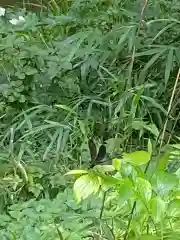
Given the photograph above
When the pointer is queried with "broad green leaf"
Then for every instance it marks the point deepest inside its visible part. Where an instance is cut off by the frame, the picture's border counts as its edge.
(137, 158)
(163, 182)
(85, 186)
(116, 163)
(76, 172)
(158, 209)
(169, 64)
(143, 190)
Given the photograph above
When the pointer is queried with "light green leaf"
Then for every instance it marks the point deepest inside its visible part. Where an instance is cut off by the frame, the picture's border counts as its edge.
(158, 209)
(143, 189)
(76, 172)
(169, 64)
(116, 163)
(137, 158)
(85, 186)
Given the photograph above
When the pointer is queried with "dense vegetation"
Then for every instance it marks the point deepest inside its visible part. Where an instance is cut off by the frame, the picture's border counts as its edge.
(99, 70)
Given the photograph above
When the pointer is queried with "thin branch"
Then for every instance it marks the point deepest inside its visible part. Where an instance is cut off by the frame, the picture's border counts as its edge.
(103, 203)
(130, 220)
(169, 108)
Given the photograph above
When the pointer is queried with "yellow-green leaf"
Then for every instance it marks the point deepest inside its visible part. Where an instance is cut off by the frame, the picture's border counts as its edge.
(137, 158)
(85, 186)
(76, 172)
(116, 163)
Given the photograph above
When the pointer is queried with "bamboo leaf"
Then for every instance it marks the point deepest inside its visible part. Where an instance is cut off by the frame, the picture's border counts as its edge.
(169, 64)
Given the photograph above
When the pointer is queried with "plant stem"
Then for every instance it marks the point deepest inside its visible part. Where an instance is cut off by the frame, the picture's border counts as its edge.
(169, 107)
(103, 204)
(129, 222)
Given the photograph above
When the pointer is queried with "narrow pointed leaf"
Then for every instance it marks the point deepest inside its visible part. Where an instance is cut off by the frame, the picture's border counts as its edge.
(169, 64)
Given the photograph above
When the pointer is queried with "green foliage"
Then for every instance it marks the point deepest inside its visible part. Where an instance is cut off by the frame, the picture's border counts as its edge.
(137, 204)
(75, 70)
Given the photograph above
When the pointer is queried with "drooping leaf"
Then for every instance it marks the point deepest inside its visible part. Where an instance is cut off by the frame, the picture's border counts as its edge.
(137, 158)
(85, 186)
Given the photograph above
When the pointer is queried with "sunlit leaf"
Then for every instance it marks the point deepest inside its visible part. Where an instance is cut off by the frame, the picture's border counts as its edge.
(116, 163)
(76, 172)
(85, 186)
(137, 158)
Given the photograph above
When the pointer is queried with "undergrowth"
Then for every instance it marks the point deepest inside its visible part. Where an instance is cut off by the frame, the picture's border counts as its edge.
(78, 70)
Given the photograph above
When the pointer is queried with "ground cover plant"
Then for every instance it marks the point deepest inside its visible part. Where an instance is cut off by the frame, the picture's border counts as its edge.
(99, 72)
